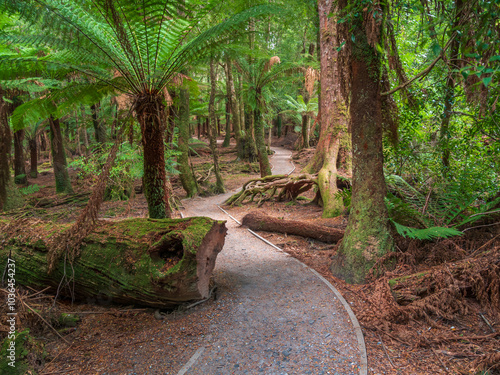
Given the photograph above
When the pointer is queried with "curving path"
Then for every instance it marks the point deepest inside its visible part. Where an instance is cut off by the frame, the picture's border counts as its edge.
(280, 316)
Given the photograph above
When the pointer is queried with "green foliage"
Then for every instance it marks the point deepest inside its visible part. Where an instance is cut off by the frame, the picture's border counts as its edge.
(31, 189)
(126, 169)
(21, 340)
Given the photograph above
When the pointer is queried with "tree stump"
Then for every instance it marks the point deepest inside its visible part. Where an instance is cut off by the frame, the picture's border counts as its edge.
(144, 262)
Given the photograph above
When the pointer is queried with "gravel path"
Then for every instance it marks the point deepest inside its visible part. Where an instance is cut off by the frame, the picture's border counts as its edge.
(279, 317)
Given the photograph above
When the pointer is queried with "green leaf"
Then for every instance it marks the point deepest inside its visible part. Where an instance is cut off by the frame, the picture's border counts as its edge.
(487, 80)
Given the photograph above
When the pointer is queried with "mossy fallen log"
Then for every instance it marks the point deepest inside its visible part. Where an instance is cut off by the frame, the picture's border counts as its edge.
(145, 262)
(257, 220)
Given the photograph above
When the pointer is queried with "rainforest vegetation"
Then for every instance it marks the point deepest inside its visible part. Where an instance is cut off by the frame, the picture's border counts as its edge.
(120, 109)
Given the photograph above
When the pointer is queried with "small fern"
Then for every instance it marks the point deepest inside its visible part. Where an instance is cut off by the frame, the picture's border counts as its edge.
(29, 189)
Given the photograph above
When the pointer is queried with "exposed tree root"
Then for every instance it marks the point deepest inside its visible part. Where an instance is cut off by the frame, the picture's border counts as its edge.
(282, 187)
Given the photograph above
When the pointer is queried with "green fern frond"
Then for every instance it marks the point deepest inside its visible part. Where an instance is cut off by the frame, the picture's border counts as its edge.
(427, 233)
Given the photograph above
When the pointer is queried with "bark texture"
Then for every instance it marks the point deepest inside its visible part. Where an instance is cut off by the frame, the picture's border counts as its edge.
(5, 149)
(63, 182)
(19, 167)
(157, 263)
(367, 236)
(258, 220)
(33, 157)
(265, 167)
(333, 109)
(219, 183)
(150, 114)
(186, 175)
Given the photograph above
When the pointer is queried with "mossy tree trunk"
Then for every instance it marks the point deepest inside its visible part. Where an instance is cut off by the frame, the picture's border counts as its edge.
(99, 128)
(33, 157)
(156, 263)
(151, 117)
(219, 183)
(333, 110)
(63, 182)
(265, 167)
(186, 174)
(367, 236)
(19, 167)
(5, 149)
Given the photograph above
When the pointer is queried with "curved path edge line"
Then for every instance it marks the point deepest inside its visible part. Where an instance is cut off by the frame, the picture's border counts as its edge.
(363, 370)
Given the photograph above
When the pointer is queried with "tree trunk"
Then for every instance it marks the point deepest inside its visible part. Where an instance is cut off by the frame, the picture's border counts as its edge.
(235, 110)
(449, 98)
(144, 262)
(305, 131)
(63, 182)
(151, 117)
(19, 166)
(227, 137)
(99, 128)
(219, 183)
(278, 125)
(258, 220)
(5, 149)
(33, 157)
(186, 175)
(265, 167)
(333, 111)
(367, 235)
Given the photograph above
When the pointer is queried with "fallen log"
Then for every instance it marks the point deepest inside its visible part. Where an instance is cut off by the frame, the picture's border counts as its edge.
(257, 220)
(144, 262)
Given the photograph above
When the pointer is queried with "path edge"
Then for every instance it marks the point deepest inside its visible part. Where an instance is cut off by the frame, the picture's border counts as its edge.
(363, 370)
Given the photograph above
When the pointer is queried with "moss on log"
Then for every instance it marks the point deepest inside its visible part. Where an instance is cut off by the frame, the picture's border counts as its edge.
(257, 220)
(146, 262)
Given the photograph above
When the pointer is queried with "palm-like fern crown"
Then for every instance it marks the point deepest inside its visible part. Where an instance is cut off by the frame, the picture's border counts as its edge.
(134, 46)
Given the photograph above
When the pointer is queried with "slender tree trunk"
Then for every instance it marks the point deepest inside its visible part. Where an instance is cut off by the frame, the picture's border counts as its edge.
(305, 131)
(5, 149)
(279, 125)
(198, 122)
(239, 134)
(19, 166)
(63, 182)
(219, 183)
(332, 110)
(186, 175)
(449, 98)
(265, 167)
(33, 157)
(84, 131)
(99, 128)
(227, 137)
(368, 236)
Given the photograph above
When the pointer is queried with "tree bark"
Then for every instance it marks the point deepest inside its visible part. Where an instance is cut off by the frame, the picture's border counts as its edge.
(63, 182)
(258, 220)
(219, 183)
(333, 109)
(367, 235)
(33, 157)
(155, 263)
(265, 167)
(186, 175)
(5, 149)
(151, 117)
(99, 128)
(19, 166)
(449, 98)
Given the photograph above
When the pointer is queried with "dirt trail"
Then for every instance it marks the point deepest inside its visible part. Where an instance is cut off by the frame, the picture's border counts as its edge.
(278, 316)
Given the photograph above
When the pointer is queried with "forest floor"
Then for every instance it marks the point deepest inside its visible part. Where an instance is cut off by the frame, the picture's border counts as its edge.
(445, 334)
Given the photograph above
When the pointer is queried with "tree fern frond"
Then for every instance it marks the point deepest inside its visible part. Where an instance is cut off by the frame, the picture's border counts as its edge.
(427, 233)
